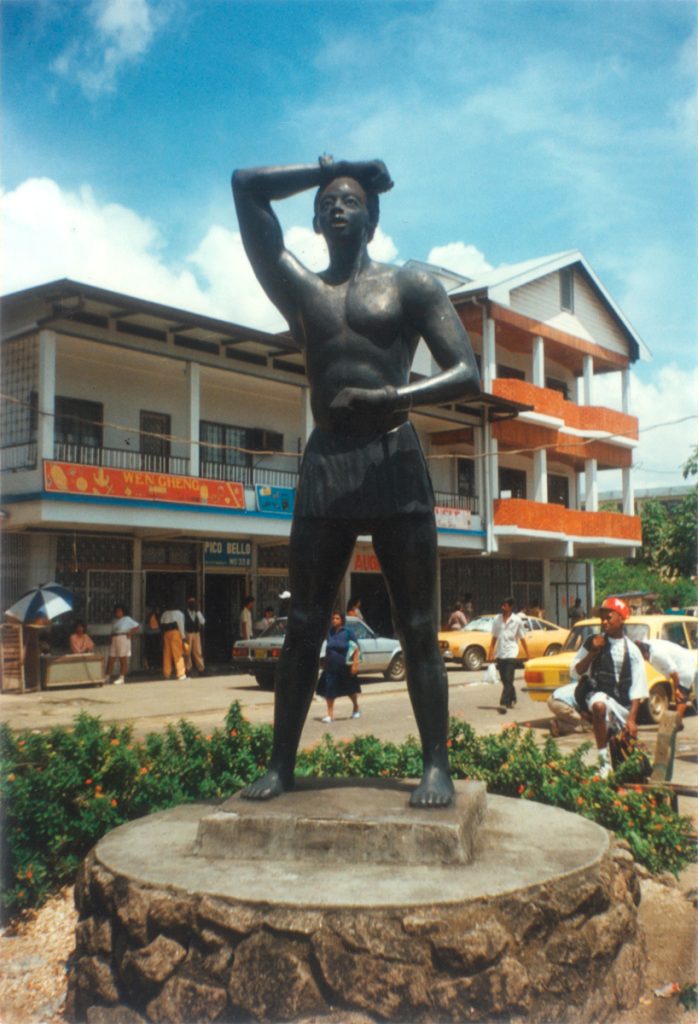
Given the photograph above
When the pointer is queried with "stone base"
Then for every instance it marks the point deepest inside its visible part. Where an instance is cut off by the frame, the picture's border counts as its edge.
(542, 925)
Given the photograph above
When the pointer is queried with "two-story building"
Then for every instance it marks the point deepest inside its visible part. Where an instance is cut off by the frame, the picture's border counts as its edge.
(148, 452)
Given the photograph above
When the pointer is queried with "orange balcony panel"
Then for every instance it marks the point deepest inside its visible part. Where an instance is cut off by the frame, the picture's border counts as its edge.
(544, 400)
(518, 434)
(542, 517)
(549, 402)
(598, 417)
(574, 450)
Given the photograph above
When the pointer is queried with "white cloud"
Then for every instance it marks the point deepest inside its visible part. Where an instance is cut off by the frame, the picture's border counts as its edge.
(117, 33)
(664, 400)
(51, 233)
(464, 259)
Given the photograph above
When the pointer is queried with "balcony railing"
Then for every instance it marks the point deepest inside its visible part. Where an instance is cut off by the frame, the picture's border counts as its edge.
(118, 458)
(249, 475)
(536, 516)
(586, 418)
(445, 499)
(18, 456)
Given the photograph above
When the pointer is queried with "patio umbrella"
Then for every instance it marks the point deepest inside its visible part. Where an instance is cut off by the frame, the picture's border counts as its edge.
(47, 601)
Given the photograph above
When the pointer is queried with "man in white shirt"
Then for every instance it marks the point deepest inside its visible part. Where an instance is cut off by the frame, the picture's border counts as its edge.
(507, 630)
(173, 640)
(566, 716)
(194, 624)
(246, 618)
(122, 629)
(677, 664)
(616, 682)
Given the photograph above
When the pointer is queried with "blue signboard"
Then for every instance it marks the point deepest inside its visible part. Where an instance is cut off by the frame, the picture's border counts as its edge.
(275, 499)
(233, 554)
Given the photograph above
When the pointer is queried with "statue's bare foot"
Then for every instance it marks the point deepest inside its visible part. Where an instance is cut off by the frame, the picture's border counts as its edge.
(435, 789)
(270, 785)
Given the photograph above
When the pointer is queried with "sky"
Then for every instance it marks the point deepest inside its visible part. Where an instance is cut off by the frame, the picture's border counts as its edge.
(513, 129)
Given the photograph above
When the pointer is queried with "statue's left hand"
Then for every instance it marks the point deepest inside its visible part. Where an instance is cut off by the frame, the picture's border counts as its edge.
(364, 399)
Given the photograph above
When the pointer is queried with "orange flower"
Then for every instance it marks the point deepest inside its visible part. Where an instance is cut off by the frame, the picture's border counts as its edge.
(596, 778)
(233, 732)
(621, 791)
(114, 803)
(449, 743)
(580, 800)
(29, 873)
(21, 743)
(88, 782)
(521, 788)
(11, 777)
(114, 743)
(144, 771)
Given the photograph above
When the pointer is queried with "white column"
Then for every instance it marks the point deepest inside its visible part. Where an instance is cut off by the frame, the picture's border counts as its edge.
(491, 492)
(588, 380)
(47, 394)
(628, 491)
(538, 362)
(625, 390)
(540, 475)
(194, 383)
(489, 352)
(591, 485)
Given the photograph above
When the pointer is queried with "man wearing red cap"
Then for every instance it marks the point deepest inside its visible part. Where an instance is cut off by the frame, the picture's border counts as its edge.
(615, 683)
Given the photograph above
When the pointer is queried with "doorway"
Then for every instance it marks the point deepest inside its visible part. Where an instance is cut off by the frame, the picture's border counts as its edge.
(223, 594)
(370, 588)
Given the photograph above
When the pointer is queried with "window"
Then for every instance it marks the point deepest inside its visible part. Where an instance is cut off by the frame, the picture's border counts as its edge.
(567, 289)
(510, 372)
(558, 490)
(466, 478)
(675, 632)
(226, 445)
(557, 385)
(78, 422)
(153, 426)
(513, 480)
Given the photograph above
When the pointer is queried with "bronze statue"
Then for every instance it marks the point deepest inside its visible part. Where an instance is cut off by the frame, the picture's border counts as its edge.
(363, 470)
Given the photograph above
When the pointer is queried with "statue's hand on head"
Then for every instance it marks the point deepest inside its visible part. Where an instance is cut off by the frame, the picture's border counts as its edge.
(372, 175)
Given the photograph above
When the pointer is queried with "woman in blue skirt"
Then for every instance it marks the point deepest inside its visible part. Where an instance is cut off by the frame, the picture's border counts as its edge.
(338, 678)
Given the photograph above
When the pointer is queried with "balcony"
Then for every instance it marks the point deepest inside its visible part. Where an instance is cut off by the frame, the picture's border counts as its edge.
(535, 517)
(547, 402)
(446, 499)
(18, 456)
(119, 458)
(249, 476)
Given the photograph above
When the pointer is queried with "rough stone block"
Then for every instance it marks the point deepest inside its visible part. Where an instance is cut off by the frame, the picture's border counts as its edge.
(185, 1001)
(472, 949)
(154, 963)
(96, 979)
(272, 979)
(231, 916)
(113, 1015)
(94, 935)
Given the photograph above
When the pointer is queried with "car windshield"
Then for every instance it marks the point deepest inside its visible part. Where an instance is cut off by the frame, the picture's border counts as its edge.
(278, 628)
(579, 634)
(484, 624)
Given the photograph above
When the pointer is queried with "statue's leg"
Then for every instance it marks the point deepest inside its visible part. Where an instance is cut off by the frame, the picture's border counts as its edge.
(406, 548)
(320, 550)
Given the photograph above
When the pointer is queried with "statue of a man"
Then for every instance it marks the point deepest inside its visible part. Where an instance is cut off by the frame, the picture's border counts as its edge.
(363, 471)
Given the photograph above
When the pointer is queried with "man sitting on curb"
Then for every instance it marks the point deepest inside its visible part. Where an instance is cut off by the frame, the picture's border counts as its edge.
(677, 664)
(613, 682)
(566, 715)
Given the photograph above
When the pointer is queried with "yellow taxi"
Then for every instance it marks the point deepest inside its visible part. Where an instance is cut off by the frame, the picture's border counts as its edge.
(470, 645)
(543, 675)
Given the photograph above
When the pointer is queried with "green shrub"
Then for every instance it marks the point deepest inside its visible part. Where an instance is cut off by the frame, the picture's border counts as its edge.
(61, 791)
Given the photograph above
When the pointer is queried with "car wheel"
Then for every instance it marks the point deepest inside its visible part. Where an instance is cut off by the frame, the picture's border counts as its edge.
(473, 658)
(396, 669)
(265, 680)
(652, 709)
(553, 649)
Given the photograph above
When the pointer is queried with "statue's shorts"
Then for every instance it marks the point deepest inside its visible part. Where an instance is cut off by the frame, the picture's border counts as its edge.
(373, 477)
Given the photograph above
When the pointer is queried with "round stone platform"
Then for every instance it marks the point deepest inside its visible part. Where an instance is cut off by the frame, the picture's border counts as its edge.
(350, 910)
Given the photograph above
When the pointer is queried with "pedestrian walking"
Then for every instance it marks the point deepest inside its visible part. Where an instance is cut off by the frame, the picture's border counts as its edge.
(507, 631)
(123, 628)
(194, 623)
(173, 643)
(338, 678)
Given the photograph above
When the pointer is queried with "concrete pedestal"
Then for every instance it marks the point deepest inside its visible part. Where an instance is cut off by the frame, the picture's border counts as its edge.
(340, 900)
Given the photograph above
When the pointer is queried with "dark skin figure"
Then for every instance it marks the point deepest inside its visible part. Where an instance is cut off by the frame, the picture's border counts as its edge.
(358, 323)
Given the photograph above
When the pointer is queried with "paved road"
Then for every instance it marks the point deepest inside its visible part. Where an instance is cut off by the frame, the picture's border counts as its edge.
(149, 705)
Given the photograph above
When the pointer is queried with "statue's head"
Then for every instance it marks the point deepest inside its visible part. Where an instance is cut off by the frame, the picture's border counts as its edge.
(343, 205)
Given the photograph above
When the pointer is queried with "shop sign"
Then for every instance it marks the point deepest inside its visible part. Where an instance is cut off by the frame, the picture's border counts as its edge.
(131, 484)
(453, 518)
(233, 554)
(366, 561)
(275, 499)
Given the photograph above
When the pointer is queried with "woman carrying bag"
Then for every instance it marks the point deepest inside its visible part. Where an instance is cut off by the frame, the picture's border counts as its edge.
(339, 676)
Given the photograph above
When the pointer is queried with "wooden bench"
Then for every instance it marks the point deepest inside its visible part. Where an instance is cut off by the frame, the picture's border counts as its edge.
(663, 763)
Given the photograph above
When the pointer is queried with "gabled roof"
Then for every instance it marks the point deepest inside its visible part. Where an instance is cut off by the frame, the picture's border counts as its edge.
(497, 285)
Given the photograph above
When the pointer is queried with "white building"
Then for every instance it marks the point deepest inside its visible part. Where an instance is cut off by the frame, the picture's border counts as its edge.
(148, 452)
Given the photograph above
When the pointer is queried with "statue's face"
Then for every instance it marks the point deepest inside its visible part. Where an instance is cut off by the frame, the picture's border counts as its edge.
(342, 211)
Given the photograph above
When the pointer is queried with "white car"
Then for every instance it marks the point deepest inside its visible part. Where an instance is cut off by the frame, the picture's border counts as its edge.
(260, 656)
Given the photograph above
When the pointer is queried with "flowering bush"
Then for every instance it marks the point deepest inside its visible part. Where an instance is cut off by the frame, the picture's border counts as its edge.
(61, 791)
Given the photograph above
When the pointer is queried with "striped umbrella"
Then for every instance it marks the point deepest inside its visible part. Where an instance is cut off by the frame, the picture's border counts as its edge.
(47, 601)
